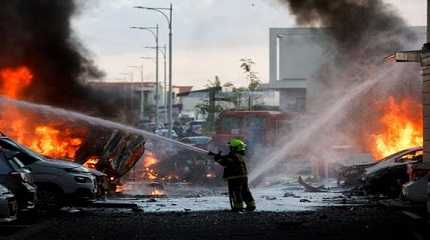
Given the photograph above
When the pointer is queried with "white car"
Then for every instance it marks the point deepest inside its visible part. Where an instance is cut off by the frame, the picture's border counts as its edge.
(8, 205)
(58, 182)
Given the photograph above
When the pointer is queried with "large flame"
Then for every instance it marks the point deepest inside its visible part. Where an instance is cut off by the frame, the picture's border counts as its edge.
(47, 137)
(401, 127)
(14, 80)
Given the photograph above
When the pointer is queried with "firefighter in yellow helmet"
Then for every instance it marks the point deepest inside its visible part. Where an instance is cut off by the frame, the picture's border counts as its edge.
(236, 174)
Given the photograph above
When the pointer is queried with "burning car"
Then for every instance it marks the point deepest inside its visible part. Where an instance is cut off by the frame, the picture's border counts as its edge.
(385, 176)
(58, 182)
(388, 175)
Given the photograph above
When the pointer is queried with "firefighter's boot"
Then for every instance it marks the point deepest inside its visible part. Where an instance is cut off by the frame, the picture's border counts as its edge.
(250, 206)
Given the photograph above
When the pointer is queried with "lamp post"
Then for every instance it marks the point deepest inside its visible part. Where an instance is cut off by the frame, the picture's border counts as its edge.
(169, 18)
(157, 96)
(163, 51)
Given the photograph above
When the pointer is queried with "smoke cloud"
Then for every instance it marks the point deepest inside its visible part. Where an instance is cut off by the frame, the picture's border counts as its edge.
(38, 34)
(353, 23)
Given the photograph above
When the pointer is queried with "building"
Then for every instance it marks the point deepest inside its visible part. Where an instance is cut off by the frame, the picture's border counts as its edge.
(295, 55)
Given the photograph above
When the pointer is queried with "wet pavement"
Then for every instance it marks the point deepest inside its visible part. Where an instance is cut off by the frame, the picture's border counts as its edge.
(365, 222)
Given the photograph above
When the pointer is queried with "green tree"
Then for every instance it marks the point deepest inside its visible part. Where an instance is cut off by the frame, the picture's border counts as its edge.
(247, 64)
(210, 106)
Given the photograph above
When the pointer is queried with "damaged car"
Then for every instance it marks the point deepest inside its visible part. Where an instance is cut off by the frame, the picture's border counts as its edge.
(389, 175)
(58, 182)
(17, 179)
(8, 205)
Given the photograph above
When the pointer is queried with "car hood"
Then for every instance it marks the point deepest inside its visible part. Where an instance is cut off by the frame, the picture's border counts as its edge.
(59, 164)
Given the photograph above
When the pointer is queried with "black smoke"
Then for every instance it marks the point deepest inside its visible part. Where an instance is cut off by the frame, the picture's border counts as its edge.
(354, 24)
(39, 35)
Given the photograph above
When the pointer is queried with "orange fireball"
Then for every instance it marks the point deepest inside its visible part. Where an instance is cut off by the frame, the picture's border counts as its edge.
(48, 138)
(401, 127)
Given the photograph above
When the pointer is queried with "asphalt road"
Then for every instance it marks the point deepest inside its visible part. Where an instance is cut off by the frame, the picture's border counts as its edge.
(326, 223)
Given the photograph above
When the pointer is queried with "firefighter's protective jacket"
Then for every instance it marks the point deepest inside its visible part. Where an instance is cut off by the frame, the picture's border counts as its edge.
(234, 165)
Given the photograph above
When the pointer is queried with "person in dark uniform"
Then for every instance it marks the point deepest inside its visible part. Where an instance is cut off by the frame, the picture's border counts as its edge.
(236, 175)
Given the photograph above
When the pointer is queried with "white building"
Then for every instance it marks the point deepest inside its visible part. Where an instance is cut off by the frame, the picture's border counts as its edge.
(295, 55)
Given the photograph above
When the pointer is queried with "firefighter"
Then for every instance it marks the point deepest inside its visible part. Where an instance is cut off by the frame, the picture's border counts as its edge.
(235, 172)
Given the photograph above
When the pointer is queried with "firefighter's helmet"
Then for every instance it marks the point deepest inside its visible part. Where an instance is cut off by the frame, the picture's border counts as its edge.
(237, 145)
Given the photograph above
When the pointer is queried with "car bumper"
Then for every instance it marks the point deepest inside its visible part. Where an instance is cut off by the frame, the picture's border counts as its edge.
(82, 195)
(8, 209)
(27, 197)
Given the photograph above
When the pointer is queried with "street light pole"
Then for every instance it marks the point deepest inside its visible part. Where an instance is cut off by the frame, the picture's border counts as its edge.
(169, 19)
(163, 51)
(169, 117)
(157, 84)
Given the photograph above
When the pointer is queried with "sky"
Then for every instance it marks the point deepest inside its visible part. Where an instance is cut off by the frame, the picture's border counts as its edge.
(209, 36)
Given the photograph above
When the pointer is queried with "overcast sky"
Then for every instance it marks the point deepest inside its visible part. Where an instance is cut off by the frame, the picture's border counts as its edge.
(210, 36)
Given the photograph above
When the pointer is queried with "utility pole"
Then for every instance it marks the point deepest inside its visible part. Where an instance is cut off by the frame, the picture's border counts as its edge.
(169, 18)
(163, 51)
(157, 84)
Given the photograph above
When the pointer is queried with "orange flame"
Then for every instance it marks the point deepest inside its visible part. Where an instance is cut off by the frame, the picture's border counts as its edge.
(14, 81)
(48, 141)
(401, 128)
(92, 162)
(149, 160)
(157, 192)
(27, 128)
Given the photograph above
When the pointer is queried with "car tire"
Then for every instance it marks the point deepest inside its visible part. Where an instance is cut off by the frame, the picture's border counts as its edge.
(49, 198)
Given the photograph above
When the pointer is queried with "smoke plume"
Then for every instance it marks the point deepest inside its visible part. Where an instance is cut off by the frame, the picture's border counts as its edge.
(38, 34)
(353, 23)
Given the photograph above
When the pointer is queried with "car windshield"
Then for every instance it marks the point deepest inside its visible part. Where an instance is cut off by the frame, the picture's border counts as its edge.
(26, 156)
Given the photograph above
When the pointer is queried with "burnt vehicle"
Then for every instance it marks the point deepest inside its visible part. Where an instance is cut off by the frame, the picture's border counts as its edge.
(351, 175)
(389, 175)
(17, 179)
(114, 159)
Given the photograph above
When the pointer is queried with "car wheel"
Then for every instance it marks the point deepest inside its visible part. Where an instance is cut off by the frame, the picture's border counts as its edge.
(49, 198)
